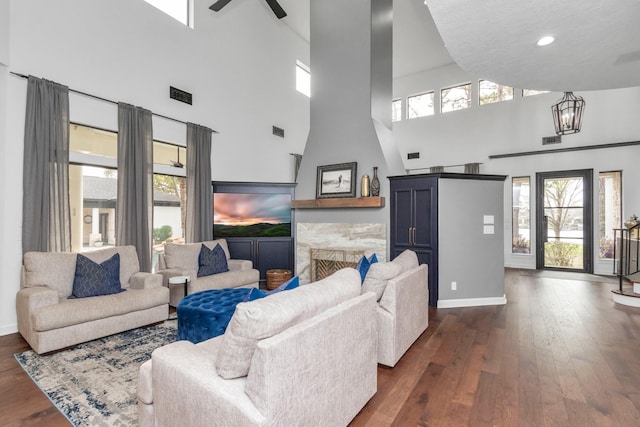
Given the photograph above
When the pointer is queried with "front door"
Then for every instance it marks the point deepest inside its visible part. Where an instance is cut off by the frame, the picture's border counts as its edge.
(564, 220)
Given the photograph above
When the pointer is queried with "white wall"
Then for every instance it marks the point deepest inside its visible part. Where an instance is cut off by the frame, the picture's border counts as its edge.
(238, 64)
(518, 125)
(4, 32)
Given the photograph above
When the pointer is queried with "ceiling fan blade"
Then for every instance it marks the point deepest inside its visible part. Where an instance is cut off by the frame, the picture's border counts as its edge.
(219, 5)
(277, 9)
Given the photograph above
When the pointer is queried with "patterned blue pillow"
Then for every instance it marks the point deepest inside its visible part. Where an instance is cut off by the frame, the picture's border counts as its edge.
(212, 261)
(92, 279)
(364, 264)
(256, 293)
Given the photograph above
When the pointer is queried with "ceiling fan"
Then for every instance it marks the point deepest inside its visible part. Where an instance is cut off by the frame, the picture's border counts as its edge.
(273, 4)
(177, 164)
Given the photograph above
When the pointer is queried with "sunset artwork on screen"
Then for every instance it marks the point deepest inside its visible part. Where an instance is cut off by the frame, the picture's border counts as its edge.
(251, 215)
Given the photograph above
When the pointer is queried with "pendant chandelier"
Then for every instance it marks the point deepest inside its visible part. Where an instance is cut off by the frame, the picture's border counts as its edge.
(567, 114)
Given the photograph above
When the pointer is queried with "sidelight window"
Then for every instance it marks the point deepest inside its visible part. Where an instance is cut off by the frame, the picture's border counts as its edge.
(521, 225)
(610, 210)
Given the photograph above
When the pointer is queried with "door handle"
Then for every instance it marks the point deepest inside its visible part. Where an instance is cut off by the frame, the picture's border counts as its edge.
(412, 236)
(545, 228)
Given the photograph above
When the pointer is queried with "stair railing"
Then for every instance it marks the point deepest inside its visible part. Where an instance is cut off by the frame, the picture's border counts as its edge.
(626, 252)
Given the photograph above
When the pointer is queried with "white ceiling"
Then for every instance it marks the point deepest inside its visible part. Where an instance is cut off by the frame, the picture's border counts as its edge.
(597, 41)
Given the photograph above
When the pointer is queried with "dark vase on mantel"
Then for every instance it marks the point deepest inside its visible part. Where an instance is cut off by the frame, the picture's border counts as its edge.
(375, 183)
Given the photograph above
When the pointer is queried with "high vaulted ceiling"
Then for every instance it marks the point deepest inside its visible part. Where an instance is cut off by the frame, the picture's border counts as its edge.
(417, 46)
(597, 41)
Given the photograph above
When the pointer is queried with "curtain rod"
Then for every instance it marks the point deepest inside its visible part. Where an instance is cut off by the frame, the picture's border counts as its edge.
(111, 101)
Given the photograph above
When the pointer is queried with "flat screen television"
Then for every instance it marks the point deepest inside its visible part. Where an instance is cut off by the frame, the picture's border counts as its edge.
(251, 215)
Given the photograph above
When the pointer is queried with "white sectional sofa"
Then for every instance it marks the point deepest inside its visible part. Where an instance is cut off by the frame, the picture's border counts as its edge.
(303, 357)
(48, 320)
(182, 260)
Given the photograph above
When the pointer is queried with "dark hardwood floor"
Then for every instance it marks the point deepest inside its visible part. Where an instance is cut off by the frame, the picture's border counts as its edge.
(560, 353)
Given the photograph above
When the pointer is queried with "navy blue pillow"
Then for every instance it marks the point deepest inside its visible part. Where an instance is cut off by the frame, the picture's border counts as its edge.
(364, 264)
(92, 279)
(212, 261)
(256, 293)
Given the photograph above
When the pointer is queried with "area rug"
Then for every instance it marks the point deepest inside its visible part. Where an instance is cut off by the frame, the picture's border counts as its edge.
(94, 384)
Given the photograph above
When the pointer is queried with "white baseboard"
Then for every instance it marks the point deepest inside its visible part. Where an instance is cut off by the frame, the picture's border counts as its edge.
(471, 302)
(8, 329)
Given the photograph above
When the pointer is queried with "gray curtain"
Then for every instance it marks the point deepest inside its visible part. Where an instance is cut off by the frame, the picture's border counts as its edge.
(46, 220)
(199, 191)
(134, 205)
(472, 168)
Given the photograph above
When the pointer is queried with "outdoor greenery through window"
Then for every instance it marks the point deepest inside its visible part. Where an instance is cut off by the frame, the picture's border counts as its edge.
(396, 110)
(177, 9)
(169, 196)
(455, 98)
(490, 92)
(521, 226)
(303, 79)
(420, 105)
(563, 208)
(610, 210)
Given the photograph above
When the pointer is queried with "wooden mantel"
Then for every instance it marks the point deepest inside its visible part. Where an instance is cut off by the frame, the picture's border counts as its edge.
(342, 202)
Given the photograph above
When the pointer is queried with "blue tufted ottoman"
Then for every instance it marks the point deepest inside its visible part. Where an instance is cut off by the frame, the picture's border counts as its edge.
(206, 314)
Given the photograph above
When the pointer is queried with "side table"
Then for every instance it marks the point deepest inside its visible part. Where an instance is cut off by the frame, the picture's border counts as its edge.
(180, 280)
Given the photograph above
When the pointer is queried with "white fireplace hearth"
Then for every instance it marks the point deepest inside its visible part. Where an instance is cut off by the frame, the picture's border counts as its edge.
(338, 240)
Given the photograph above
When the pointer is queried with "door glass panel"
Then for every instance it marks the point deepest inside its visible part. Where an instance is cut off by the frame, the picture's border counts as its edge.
(564, 222)
(92, 199)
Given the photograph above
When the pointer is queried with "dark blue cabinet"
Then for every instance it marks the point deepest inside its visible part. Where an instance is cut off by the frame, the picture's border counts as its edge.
(266, 253)
(414, 223)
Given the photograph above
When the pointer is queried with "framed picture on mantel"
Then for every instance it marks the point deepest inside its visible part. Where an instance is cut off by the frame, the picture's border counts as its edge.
(337, 180)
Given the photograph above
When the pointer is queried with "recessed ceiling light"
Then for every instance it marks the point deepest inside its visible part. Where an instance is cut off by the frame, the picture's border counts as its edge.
(546, 40)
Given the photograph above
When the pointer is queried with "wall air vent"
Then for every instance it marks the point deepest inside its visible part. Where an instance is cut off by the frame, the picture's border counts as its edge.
(556, 139)
(180, 95)
(278, 131)
(413, 156)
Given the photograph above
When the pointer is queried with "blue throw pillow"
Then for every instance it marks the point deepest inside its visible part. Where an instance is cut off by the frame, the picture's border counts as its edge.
(212, 261)
(92, 279)
(364, 264)
(256, 293)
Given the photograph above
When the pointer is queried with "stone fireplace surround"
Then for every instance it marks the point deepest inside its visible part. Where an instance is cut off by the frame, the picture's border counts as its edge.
(334, 237)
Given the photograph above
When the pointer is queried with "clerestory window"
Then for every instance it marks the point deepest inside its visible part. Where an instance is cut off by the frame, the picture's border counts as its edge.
(455, 98)
(490, 92)
(420, 105)
(180, 10)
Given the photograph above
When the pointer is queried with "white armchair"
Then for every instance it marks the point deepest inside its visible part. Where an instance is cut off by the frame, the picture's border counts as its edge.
(403, 307)
(182, 260)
